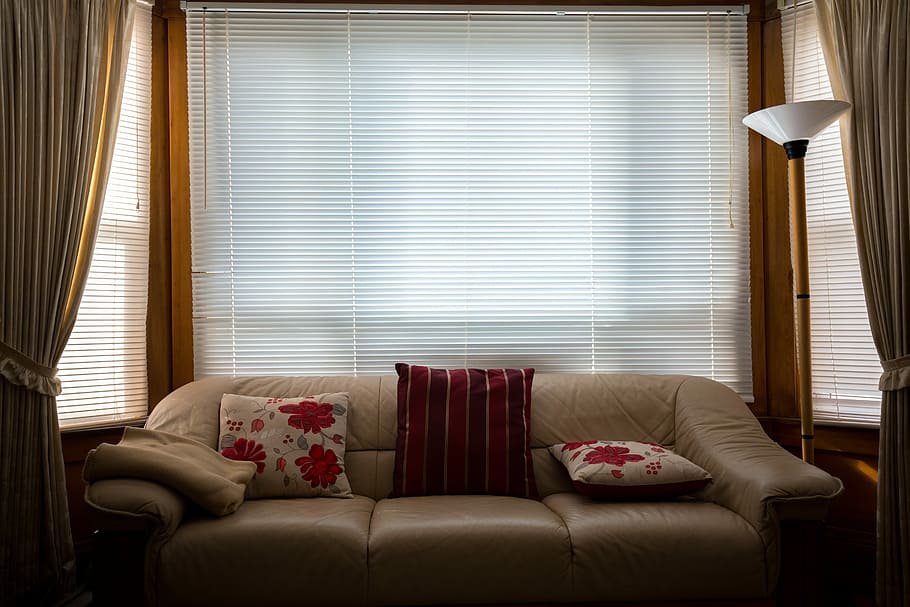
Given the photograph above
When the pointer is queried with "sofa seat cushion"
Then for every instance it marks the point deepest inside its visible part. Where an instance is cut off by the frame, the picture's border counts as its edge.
(460, 549)
(679, 550)
(270, 552)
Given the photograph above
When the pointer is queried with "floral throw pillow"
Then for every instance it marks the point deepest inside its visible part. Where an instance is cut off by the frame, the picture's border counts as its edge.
(297, 444)
(628, 470)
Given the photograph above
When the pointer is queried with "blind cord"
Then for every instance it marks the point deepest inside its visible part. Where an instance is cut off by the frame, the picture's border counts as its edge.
(136, 132)
(730, 132)
(205, 120)
(793, 57)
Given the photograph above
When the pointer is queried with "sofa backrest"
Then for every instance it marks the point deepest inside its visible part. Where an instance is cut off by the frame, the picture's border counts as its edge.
(565, 407)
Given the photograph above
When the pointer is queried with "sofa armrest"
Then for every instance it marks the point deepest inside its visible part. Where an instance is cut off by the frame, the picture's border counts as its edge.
(125, 503)
(133, 518)
(753, 475)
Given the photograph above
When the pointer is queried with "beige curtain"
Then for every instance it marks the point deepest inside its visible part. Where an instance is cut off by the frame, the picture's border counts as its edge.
(868, 55)
(62, 65)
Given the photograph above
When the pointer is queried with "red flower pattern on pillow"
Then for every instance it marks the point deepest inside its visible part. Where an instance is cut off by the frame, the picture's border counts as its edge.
(248, 451)
(309, 416)
(629, 470)
(609, 454)
(320, 467)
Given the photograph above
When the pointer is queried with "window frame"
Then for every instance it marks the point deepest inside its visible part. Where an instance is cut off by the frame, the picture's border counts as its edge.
(773, 360)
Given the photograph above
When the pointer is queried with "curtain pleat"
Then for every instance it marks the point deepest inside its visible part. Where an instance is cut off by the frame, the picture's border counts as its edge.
(62, 65)
(867, 50)
(894, 500)
(36, 549)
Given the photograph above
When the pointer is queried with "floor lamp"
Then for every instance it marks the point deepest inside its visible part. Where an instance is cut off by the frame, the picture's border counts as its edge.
(792, 125)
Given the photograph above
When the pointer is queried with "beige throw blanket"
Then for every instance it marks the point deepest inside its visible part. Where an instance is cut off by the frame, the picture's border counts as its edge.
(189, 467)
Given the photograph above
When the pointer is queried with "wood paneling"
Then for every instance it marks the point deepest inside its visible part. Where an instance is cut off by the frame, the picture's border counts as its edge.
(158, 326)
(854, 511)
(850, 454)
(76, 445)
(778, 319)
(836, 439)
(850, 552)
(178, 129)
(756, 215)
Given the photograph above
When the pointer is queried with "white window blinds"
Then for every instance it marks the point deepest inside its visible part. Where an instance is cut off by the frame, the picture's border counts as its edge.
(103, 368)
(845, 366)
(559, 190)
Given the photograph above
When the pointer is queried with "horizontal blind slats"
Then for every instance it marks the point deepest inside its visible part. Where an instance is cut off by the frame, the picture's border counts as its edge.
(480, 190)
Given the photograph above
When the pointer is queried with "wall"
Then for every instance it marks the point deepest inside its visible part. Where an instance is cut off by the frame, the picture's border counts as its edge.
(76, 445)
(851, 454)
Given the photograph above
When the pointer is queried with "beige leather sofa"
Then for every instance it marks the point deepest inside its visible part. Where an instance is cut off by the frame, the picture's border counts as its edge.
(371, 550)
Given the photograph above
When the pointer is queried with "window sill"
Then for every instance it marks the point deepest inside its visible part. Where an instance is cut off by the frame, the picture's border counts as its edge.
(848, 424)
(105, 426)
(828, 437)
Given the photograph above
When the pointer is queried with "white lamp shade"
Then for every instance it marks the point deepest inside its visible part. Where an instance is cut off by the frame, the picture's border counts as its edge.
(794, 121)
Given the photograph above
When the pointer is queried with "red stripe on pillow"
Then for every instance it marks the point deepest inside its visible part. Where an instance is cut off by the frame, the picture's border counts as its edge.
(463, 431)
(476, 481)
(516, 429)
(416, 429)
(457, 433)
(530, 484)
(497, 430)
(401, 445)
(436, 430)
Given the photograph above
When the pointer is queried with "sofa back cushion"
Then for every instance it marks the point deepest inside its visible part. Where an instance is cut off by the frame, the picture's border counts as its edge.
(566, 407)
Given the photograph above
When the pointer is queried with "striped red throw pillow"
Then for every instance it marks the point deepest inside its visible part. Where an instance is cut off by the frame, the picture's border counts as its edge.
(463, 431)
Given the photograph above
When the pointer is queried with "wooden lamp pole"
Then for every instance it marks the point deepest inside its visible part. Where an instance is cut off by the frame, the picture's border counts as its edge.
(799, 250)
(792, 125)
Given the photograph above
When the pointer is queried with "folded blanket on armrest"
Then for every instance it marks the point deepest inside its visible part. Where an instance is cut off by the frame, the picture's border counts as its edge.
(189, 467)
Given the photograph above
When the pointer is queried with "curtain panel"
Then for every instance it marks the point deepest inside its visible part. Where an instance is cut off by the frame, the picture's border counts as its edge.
(867, 52)
(62, 66)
